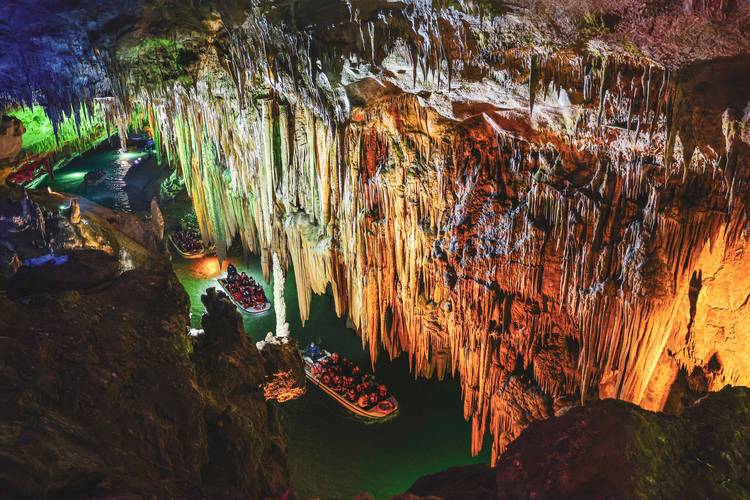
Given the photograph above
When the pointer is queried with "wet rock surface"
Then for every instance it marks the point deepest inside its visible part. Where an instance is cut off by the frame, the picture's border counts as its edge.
(613, 449)
(102, 398)
(103, 394)
(245, 444)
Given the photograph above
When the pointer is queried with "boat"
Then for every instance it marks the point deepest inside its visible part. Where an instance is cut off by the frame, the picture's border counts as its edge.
(29, 171)
(188, 255)
(382, 409)
(250, 310)
(94, 178)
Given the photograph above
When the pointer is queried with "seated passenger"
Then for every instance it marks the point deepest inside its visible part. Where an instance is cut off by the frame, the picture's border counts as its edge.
(231, 273)
(383, 392)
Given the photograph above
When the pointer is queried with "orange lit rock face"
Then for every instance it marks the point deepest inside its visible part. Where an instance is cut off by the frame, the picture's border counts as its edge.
(540, 234)
(281, 387)
(709, 330)
(11, 132)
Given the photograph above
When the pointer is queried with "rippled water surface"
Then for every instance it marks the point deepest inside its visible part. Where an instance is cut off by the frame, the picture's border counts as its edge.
(113, 191)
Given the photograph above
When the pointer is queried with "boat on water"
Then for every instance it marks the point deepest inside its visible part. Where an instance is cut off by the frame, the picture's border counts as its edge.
(251, 309)
(188, 253)
(29, 171)
(94, 178)
(370, 401)
(185, 237)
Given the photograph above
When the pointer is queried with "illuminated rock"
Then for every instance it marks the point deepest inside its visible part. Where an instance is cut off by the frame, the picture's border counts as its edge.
(11, 131)
(529, 201)
(530, 230)
(75, 212)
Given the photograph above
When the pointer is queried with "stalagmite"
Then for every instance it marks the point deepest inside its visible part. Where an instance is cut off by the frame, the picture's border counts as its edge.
(75, 211)
(282, 327)
(157, 219)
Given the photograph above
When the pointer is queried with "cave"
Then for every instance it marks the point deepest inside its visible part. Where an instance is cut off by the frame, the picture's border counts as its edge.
(379, 249)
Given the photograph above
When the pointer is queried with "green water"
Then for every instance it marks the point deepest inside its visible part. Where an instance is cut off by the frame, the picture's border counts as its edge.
(139, 167)
(332, 454)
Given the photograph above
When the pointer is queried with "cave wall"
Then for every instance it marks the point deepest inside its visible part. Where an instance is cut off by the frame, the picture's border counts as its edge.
(531, 224)
(103, 392)
(547, 201)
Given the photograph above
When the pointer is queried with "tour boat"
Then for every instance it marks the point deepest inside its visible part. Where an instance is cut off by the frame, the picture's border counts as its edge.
(376, 411)
(94, 178)
(251, 310)
(188, 255)
(28, 172)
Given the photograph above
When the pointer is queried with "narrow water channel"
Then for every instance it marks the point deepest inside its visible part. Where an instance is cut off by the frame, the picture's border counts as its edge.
(332, 454)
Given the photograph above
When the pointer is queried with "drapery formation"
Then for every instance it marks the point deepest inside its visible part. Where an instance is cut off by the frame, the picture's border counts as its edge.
(539, 243)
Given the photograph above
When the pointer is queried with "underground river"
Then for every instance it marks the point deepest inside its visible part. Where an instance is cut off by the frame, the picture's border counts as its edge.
(331, 453)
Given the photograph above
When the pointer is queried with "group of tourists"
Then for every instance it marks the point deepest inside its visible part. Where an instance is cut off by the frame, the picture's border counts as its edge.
(188, 240)
(187, 236)
(348, 380)
(244, 289)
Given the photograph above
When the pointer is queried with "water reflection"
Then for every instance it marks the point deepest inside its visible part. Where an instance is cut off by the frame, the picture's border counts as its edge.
(130, 179)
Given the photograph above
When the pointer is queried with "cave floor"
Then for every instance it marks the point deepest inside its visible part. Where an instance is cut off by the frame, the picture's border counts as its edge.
(331, 453)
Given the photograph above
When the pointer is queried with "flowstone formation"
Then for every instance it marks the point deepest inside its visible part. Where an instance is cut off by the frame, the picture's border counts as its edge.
(547, 201)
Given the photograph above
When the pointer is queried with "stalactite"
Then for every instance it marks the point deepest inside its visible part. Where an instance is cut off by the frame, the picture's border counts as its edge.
(481, 252)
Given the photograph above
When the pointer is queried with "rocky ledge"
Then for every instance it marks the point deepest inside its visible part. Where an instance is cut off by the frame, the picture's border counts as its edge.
(102, 393)
(613, 449)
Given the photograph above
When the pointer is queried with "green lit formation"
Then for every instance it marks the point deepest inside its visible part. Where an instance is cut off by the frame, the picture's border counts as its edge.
(72, 134)
(153, 61)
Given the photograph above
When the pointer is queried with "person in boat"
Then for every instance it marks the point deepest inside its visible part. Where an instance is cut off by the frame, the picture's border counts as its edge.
(351, 395)
(231, 273)
(363, 401)
(313, 352)
(383, 392)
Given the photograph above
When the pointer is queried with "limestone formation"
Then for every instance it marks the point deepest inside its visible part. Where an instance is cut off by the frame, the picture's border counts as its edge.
(541, 199)
(104, 395)
(75, 212)
(613, 449)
